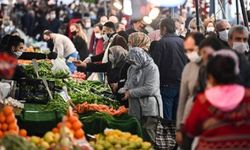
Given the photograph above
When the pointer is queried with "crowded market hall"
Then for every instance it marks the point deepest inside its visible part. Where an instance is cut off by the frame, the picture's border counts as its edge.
(124, 75)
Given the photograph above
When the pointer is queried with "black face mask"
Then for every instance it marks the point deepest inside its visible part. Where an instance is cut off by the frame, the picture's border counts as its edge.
(109, 35)
(74, 33)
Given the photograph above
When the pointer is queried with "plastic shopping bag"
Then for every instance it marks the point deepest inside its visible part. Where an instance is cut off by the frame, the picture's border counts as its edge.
(60, 68)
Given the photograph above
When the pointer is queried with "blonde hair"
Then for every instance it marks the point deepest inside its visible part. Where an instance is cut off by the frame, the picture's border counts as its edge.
(80, 32)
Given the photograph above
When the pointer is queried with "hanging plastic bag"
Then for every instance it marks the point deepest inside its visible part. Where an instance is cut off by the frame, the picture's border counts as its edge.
(4, 90)
(60, 68)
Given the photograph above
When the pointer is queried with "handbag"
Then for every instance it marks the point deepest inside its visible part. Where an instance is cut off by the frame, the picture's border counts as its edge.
(163, 137)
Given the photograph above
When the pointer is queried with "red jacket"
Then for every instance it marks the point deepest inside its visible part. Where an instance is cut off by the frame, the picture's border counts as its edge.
(220, 130)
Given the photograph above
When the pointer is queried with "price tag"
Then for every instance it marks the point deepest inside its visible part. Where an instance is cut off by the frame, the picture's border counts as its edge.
(64, 96)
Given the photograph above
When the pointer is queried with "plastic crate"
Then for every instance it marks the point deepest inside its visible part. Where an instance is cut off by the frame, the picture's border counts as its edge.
(37, 122)
(33, 90)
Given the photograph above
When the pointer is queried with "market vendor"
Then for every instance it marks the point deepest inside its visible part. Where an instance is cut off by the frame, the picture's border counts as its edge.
(15, 44)
(63, 46)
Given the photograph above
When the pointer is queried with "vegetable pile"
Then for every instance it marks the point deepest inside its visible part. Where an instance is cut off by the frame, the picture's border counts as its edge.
(91, 92)
(12, 102)
(57, 104)
(44, 70)
(85, 107)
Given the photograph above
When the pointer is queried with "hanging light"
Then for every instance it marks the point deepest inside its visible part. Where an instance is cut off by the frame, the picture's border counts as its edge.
(128, 9)
(167, 3)
(147, 19)
(117, 4)
(154, 13)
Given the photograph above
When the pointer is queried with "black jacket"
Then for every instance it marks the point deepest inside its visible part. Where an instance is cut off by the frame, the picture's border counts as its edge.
(81, 47)
(106, 67)
(170, 58)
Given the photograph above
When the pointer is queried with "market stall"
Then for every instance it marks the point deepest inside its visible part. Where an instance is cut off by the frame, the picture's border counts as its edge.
(57, 108)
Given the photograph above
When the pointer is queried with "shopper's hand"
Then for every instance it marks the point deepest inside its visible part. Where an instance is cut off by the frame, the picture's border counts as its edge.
(114, 87)
(79, 63)
(126, 95)
(179, 137)
(87, 60)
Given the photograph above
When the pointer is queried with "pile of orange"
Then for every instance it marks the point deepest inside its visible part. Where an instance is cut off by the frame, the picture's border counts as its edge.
(8, 122)
(72, 122)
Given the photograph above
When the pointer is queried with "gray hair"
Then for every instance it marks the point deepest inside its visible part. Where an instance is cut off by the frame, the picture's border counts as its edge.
(218, 23)
(238, 29)
(193, 21)
(169, 24)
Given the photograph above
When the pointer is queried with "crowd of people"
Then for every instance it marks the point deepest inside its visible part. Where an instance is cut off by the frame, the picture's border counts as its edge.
(196, 76)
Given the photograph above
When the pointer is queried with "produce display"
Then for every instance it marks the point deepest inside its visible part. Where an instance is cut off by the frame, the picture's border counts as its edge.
(78, 76)
(15, 142)
(85, 107)
(8, 122)
(12, 102)
(118, 140)
(89, 91)
(57, 104)
(72, 122)
(44, 70)
(93, 104)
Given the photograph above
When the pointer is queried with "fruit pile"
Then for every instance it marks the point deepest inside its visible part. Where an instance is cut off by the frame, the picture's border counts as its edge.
(72, 122)
(86, 107)
(48, 140)
(78, 76)
(8, 123)
(116, 140)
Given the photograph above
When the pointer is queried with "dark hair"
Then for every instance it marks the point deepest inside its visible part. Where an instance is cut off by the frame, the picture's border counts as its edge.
(222, 69)
(213, 42)
(197, 36)
(99, 25)
(136, 20)
(169, 24)
(110, 25)
(8, 41)
(124, 35)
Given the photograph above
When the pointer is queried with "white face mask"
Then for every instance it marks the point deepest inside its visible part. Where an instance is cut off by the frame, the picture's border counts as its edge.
(223, 35)
(18, 54)
(241, 47)
(88, 24)
(98, 35)
(210, 29)
(193, 56)
(105, 37)
(52, 16)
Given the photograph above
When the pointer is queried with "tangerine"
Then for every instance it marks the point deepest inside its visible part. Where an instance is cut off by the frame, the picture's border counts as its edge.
(59, 125)
(1, 134)
(13, 126)
(7, 110)
(10, 119)
(79, 134)
(2, 118)
(4, 126)
(77, 125)
(55, 130)
(73, 119)
(23, 133)
(68, 124)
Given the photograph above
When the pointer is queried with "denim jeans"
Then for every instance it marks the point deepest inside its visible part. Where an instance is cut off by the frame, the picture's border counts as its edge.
(72, 66)
(170, 98)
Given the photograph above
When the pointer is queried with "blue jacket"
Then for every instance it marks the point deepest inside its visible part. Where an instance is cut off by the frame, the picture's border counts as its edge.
(169, 56)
